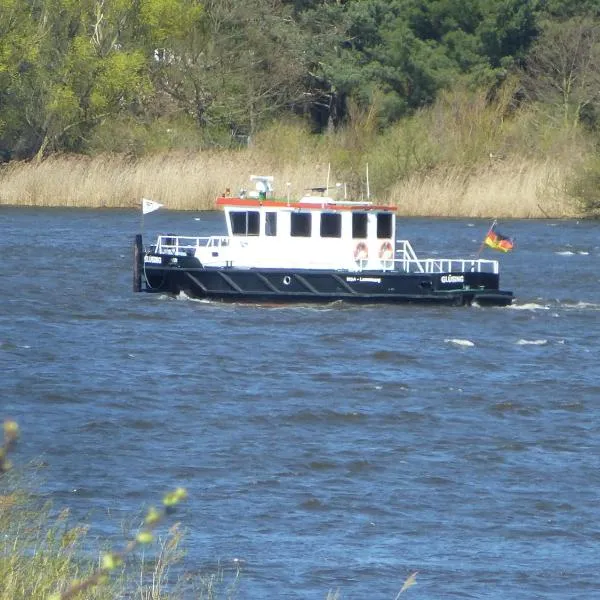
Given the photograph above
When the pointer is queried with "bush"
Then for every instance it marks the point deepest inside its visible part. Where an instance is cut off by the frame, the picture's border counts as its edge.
(584, 186)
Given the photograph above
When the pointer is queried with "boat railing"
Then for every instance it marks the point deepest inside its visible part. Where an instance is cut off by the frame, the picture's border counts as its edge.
(182, 245)
(407, 258)
(408, 262)
(440, 265)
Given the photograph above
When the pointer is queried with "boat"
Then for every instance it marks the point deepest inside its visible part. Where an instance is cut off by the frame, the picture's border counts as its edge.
(317, 248)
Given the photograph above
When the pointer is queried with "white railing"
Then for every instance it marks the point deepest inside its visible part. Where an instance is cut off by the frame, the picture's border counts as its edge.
(439, 265)
(181, 245)
(409, 263)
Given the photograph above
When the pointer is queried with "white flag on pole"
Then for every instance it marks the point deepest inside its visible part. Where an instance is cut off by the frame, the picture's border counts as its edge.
(149, 206)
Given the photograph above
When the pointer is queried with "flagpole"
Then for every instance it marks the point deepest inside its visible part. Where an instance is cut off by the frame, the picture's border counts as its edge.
(142, 232)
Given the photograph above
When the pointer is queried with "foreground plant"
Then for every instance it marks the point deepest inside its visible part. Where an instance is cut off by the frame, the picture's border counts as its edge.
(110, 561)
(11, 435)
(408, 582)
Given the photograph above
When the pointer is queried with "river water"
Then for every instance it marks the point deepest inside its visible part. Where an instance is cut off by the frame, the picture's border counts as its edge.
(323, 448)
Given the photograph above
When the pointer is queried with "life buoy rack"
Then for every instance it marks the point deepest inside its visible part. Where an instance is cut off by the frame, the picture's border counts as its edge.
(386, 252)
(361, 252)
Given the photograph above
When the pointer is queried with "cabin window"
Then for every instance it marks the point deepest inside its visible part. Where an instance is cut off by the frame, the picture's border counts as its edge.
(331, 225)
(359, 225)
(245, 222)
(384, 225)
(300, 225)
(271, 223)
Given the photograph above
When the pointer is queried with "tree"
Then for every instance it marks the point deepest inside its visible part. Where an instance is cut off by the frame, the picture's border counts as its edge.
(563, 68)
(74, 71)
(18, 52)
(236, 66)
(405, 51)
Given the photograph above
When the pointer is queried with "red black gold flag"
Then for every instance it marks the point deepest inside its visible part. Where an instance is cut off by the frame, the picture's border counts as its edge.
(497, 241)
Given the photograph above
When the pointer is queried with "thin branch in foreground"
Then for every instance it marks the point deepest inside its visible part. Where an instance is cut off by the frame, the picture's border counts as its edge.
(112, 560)
(409, 582)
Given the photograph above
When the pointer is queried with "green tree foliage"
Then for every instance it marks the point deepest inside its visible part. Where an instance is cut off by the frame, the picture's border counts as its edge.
(18, 53)
(407, 50)
(564, 9)
(80, 72)
(72, 68)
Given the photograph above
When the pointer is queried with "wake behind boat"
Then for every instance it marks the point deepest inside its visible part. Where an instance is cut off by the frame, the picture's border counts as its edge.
(316, 249)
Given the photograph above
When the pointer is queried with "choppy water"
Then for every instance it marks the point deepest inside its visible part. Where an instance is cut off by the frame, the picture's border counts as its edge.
(337, 447)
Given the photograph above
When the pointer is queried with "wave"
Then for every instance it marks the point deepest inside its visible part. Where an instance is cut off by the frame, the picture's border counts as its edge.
(572, 252)
(184, 296)
(581, 304)
(459, 342)
(523, 342)
(529, 306)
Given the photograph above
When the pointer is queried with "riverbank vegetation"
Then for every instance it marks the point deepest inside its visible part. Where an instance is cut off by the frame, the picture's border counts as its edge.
(457, 109)
(46, 555)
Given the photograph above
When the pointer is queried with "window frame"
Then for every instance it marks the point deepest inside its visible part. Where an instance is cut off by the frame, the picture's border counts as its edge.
(358, 227)
(301, 224)
(330, 225)
(250, 219)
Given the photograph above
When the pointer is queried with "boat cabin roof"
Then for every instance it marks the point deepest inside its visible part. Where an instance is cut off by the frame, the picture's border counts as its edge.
(262, 197)
(307, 202)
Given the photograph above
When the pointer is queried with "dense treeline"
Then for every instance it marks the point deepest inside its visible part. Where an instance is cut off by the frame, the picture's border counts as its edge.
(137, 75)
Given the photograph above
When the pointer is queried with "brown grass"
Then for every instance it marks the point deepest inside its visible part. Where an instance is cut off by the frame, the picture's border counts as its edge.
(512, 188)
(503, 188)
(179, 181)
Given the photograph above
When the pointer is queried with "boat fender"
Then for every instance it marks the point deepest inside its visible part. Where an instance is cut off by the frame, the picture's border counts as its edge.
(361, 251)
(386, 252)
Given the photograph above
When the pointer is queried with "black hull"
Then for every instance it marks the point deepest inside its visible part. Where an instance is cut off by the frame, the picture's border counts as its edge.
(315, 286)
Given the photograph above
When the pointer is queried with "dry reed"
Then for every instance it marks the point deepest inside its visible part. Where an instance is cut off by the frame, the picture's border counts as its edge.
(504, 188)
(511, 188)
(179, 181)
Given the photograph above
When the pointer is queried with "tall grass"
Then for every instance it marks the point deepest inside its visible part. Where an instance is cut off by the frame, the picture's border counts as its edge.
(179, 181)
(44, 555)
(510, 188)
(38, 550)
(465, 156)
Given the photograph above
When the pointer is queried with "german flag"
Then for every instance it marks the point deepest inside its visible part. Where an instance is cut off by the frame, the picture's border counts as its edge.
(497, 241)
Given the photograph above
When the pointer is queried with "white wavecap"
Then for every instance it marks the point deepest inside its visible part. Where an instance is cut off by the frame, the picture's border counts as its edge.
(460, 342)
(149, 206)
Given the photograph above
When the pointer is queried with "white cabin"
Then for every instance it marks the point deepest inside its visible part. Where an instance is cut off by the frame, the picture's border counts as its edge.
(316, 232)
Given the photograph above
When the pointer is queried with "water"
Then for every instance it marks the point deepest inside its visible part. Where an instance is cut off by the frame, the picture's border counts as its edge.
(323, 448)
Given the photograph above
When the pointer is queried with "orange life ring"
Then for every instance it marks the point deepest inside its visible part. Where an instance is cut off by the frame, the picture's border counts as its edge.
(361, 252)
(386, 252)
